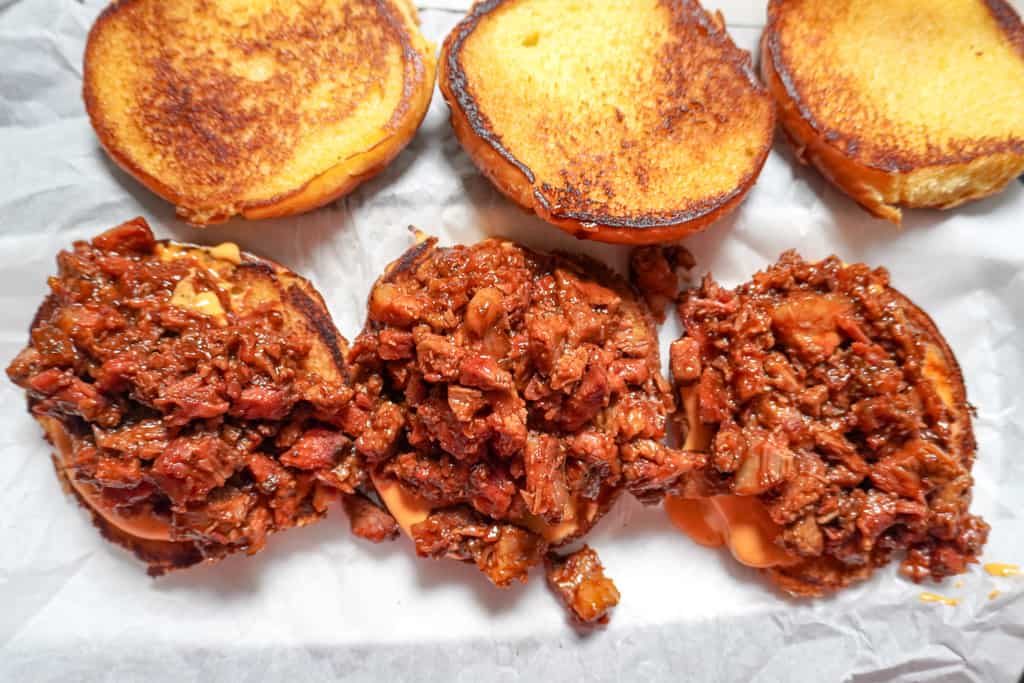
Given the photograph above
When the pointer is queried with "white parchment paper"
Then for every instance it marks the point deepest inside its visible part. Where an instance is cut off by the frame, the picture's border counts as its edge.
(319, 604)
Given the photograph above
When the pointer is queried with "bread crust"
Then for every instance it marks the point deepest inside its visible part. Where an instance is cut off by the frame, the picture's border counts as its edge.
(335, 182)
(909, 182)
(513, 178)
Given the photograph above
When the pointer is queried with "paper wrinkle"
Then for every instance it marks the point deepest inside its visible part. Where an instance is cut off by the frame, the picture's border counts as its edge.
(323, 605)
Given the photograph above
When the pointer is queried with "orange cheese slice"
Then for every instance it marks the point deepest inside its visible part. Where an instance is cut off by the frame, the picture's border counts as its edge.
(146, 527)
(740, 522)
(409, 509)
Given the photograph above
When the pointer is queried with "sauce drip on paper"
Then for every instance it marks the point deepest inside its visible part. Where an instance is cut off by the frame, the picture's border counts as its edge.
(941, 599)
(1001, 569)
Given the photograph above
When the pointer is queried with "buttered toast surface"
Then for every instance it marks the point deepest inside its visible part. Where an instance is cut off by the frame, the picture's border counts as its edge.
(260, 108)
(624, 122)
(901, 102)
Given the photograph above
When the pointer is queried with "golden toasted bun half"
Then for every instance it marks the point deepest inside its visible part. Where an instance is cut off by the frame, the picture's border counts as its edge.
(914, 104)
(631, 123)
(264, 108)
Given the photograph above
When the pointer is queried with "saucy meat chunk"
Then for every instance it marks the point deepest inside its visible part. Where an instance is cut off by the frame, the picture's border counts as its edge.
(578, 578)
(834, 401)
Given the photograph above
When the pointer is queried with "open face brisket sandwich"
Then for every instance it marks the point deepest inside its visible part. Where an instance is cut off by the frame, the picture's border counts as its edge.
(262, 108)
(193, 395)
(836, 427)
(916, 103)
(514, 396)
(629, 122)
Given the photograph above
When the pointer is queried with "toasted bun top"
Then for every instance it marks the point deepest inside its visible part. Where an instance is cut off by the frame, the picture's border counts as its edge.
(901, 85)
(635, 114)
(221, 106)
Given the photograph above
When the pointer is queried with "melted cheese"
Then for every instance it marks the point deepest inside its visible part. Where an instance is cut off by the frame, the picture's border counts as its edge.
(937, 372)
(216, 262)
(409, 510)
(206, 303)
(145, 527)
(227, 251)
(739, 522)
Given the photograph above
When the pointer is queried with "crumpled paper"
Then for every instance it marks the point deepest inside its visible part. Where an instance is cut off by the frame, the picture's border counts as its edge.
(321, 604)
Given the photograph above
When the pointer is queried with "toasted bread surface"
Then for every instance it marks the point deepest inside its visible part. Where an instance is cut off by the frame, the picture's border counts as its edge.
(623, 122)
(918, 103)
(262, 108)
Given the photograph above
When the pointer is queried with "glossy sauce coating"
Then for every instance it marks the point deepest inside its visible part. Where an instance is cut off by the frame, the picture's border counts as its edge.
(828, 397)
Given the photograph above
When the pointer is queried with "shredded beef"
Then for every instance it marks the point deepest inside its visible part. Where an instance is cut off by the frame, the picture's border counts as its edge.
(522, 379)
(823, 388)
(217, 425)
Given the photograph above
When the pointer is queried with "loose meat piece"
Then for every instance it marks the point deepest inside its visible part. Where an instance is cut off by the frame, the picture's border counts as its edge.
(368, 520)
(503, 552)
(192, 466)
(63, 394)
(215, 419)
(379, 438)
(684, 360)
(258, 402)
(441, 479)
(578, 578)
(654, 271)
(317, 449)
(395, 344)
(529, 377)
(836, 402)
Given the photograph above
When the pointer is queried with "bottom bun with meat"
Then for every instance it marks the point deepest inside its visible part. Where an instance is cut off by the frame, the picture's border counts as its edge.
(193, 395)
(510, 397)
(835, 424)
